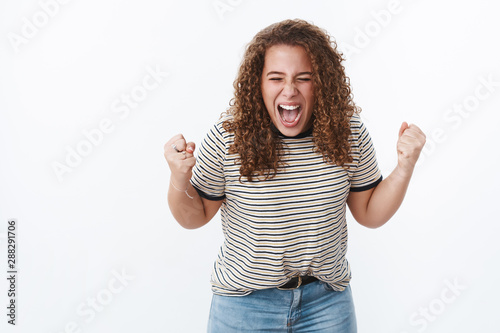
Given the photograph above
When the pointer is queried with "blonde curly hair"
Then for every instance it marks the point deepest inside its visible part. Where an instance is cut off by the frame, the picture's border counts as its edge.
(258, 145)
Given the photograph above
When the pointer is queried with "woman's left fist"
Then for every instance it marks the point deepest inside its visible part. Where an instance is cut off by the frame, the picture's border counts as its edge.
(410, 143)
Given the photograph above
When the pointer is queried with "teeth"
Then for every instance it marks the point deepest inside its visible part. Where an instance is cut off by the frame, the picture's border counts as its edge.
(289, 107)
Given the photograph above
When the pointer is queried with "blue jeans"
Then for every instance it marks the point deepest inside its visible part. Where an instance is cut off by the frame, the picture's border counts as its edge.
(315, 307)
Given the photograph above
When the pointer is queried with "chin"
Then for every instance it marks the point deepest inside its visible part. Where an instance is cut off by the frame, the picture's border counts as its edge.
(290, 131)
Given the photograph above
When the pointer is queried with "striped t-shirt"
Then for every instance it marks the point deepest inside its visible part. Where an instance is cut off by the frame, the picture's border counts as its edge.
(293, 224)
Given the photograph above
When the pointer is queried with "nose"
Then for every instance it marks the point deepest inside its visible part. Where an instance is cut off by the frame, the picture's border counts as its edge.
(289, 89)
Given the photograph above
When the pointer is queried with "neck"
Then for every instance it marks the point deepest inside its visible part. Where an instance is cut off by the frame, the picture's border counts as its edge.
(303, 134)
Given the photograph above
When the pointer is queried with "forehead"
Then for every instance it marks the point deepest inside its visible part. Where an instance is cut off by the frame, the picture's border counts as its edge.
(287, 57)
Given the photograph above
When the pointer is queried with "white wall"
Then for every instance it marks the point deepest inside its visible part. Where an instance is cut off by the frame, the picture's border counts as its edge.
(433, 268)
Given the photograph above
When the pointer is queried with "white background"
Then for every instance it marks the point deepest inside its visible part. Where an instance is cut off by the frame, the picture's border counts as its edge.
(109, 215)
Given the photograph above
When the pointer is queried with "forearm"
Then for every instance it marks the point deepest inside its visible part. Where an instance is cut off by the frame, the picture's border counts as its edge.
(373, 208)
(186, 207)
(386, 199)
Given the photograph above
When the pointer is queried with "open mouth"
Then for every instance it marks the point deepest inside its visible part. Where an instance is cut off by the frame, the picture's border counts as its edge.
(289, 114)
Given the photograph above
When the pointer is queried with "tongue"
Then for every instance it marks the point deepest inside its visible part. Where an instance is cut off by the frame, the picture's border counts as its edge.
(290, 115)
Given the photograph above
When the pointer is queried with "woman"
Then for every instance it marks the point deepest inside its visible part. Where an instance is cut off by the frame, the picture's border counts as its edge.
(281, 165)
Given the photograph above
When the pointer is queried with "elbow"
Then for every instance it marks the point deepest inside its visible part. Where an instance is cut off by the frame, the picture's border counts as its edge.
(371, 223)
(191, 224)
(371, 219)
(188, 226)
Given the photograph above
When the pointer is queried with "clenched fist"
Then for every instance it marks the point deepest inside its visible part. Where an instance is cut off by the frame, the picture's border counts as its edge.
(181, 161)
(410, 143)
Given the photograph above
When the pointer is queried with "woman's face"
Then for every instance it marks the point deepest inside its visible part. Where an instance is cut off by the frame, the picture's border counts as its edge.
(287, 88)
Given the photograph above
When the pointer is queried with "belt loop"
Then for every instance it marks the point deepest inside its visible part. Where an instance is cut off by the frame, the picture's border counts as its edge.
(300, 282)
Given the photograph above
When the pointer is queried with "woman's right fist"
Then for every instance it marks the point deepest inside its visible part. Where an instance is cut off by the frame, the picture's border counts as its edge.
(181, 161)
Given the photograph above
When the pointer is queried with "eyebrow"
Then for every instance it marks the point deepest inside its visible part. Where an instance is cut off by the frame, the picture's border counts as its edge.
(281, 73)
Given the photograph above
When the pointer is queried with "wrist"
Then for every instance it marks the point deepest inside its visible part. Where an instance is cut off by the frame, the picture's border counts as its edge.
(181, 183)
(404, 172)
(183, 189)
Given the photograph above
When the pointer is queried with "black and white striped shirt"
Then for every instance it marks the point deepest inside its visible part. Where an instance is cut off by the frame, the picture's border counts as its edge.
(293, 224)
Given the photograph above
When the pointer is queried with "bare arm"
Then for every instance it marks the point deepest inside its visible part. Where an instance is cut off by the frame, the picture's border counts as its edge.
(187, 207)
(374, 207)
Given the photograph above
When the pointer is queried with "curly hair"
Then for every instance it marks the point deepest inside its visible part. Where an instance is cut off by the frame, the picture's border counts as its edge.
(260, 148)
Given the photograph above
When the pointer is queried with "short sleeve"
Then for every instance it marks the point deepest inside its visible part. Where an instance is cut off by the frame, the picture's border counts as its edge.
(208, 172)
(365, 173)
